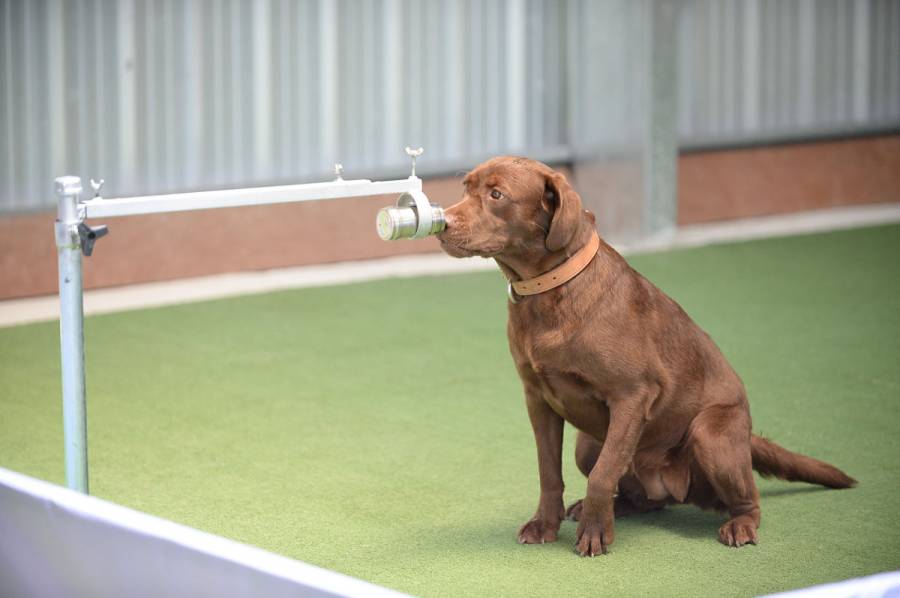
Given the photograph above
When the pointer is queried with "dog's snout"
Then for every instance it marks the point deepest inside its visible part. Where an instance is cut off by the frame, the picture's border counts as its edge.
(449, 219)
(452, 218)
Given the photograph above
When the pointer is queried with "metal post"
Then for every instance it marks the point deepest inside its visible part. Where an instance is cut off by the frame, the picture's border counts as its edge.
(71, 331)
(661, 144)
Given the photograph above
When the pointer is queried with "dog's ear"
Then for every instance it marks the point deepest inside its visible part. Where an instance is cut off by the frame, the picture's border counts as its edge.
(561, 200)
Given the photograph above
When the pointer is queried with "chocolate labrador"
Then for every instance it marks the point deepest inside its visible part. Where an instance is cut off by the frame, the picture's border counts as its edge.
(662, 417)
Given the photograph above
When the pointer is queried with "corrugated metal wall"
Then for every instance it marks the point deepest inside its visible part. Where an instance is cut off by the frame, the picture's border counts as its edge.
(165, 95)
(606, 77)
(757, 70)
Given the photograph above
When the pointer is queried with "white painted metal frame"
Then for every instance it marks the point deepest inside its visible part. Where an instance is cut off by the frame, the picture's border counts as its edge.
(73, 211)
(231, 198)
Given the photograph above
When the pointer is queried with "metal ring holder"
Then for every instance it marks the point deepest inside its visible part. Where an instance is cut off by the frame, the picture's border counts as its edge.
(416, 199)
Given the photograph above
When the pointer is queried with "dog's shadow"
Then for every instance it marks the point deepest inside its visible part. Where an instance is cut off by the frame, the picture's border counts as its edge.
(792, 489)
(687, 521)
(692, 522)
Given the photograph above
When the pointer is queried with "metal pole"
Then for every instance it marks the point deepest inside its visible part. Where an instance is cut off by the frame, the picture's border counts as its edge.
(71, 331)
(661, 141)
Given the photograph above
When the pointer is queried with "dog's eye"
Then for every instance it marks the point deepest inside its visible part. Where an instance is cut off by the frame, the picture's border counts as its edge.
(496, 194)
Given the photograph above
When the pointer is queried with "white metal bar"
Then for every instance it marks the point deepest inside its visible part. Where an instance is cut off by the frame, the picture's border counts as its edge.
(230, 198)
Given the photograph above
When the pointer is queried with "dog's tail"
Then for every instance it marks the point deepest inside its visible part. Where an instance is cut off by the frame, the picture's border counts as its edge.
(769, 459)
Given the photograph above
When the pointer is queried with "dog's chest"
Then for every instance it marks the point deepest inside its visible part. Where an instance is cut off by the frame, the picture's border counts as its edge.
(563, 383)
(576, 401)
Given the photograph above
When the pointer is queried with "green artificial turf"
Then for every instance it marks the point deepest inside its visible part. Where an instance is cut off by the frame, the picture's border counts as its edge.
(379, 429)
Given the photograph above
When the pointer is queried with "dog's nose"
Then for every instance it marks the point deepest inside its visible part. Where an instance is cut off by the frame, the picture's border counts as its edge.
(451, 215)
(449, 221)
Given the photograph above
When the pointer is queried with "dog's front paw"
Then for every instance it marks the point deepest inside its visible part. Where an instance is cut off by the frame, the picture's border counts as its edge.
(593, 536)
(538, 531)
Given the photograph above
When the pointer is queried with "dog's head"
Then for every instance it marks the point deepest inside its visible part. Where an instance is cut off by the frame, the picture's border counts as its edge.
(513, 207)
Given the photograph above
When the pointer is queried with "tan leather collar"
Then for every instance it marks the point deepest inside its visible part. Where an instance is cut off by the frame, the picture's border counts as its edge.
(560, 275)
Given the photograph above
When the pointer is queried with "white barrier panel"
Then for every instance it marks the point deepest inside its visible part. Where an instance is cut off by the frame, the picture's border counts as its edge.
(58, 542)
(884, 585)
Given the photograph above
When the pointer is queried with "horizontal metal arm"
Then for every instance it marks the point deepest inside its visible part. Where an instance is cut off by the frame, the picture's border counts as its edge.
(230, 198)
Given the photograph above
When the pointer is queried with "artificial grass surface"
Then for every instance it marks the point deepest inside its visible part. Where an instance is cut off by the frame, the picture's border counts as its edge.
(379, 429)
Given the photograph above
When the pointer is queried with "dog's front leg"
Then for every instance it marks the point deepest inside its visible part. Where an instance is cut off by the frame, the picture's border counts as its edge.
(548, 434)
(596, 528)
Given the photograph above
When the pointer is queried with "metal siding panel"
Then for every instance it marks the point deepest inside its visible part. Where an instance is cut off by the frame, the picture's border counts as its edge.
(714, 72)
(797, 69)
(392, 90)
(492, 79)
(788, 71)
(153, 65)
(860, 68)
(194, 38)
(455, 91)
(842, 77)
(261, 90)
(433, 104)
(108, 133)
(685, 49)
(14, 198)
(28, 57)
(6, 111)
(883, 51)
(307, 147)
(729, 96)
(174, 82)
(164, 95)
(806, 60)
(369, 99)
(893, 49)
(556, 117)
(701, 57)
(476, 78)
(751, 66)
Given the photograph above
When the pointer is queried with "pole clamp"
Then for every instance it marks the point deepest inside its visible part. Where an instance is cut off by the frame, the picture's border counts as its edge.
(88, 235)
(71, 231)
(66, 235)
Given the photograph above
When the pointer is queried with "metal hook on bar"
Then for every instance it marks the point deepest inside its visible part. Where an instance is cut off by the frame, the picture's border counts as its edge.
(414, 153)
(96, 186)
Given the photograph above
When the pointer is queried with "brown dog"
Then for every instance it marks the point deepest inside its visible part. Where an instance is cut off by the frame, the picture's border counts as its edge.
(661, 415)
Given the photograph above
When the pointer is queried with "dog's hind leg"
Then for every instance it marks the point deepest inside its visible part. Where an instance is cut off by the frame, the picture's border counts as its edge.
(587, 451)
(631, 498)
(720, 439)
